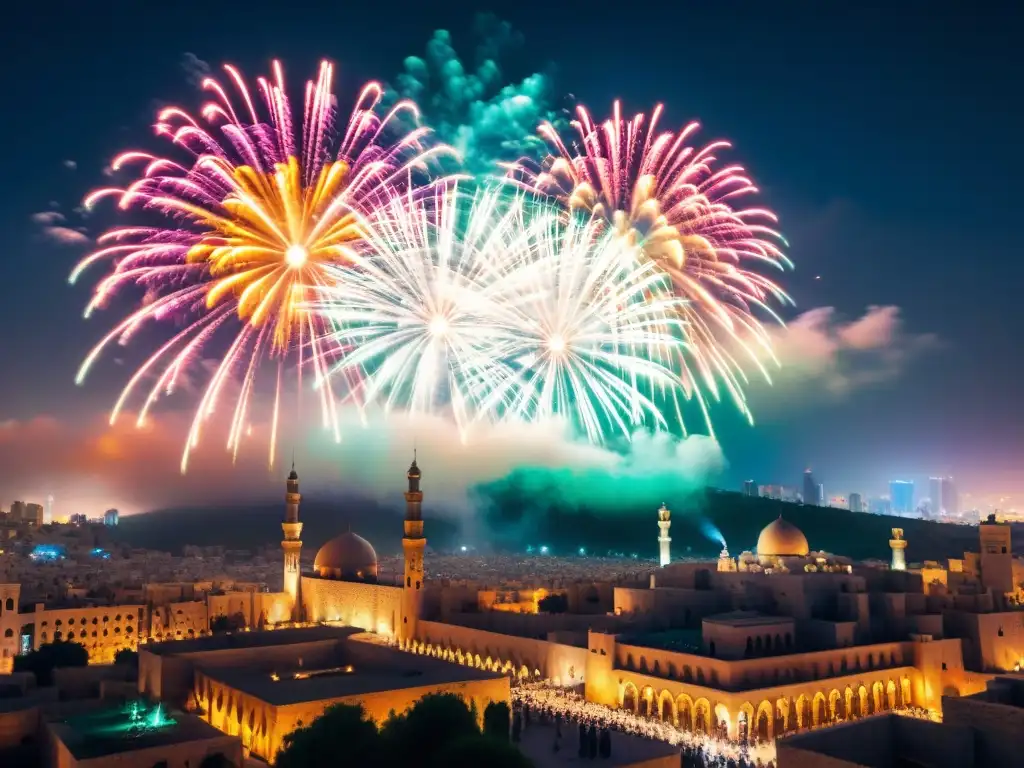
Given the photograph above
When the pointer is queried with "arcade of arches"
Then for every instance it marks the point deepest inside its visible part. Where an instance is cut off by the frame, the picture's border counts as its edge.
(763, 715)
(748, 716)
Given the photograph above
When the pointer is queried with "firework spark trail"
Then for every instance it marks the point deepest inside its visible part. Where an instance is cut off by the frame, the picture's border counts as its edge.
(492, 305)
(417, 310)
(254, 221)
(658, 192)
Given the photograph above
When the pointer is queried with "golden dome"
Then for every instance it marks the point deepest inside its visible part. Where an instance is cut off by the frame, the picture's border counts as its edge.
(347, 557)
(782, 539)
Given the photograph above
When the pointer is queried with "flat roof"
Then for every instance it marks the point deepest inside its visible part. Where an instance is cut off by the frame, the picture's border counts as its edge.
(108, 732)
(392, 671)
(746, 619)
(261, 639)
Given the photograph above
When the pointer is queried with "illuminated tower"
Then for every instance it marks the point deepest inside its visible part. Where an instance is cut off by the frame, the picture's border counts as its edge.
(898, 546)
(413, 545)
(664, 542)
(292, 544)
(49, 510)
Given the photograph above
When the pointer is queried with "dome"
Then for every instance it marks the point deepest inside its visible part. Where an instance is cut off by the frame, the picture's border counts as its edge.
(782, 539)
(347, 557)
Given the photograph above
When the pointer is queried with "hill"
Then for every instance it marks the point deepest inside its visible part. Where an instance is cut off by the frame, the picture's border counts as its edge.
(510, 523)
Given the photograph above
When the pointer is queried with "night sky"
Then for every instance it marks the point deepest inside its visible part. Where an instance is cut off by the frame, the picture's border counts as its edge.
(888, 141)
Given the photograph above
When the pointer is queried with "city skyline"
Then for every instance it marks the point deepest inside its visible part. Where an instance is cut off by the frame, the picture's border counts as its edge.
(860, 349)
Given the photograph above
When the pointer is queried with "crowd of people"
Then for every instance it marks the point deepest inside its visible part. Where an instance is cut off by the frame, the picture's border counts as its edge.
(548, 703)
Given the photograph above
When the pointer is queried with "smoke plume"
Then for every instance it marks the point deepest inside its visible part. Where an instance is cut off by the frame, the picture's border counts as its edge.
(478, 111)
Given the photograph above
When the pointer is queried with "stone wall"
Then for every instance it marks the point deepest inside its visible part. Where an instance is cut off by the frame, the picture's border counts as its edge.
(373, 607)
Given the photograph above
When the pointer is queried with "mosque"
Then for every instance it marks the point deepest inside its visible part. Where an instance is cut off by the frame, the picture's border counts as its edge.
(775, 641)
(770, 642)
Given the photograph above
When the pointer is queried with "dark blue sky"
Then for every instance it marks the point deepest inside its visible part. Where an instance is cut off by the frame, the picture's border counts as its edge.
(888, 140)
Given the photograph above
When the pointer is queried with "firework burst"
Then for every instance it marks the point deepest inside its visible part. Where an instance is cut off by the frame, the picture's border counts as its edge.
(495, 307)
(252, 219)
(676, 207)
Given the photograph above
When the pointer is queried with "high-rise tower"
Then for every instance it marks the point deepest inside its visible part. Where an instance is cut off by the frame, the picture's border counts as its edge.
(292, 544)
(664, 542)
(413, 544)
(898, 546)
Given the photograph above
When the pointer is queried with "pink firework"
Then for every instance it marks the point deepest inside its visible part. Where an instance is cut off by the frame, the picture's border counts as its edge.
(675, 205)
(258, 209)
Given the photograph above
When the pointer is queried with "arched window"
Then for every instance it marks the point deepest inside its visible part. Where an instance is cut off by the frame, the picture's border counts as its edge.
(8, 633)
(9, 605)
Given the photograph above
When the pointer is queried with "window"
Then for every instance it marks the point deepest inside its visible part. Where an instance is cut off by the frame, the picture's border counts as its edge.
(9, 605)
(8, 633)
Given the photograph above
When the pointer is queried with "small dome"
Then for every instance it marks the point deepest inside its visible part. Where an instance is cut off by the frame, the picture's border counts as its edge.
(782, 539)
(347, 557)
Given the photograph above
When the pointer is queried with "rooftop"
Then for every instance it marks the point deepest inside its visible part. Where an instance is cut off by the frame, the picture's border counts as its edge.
(746, 619)
(128, 727)
(236, 640)
(404, 671)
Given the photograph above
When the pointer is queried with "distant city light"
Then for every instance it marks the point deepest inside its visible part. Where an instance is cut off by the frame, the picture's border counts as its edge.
(463, 548)
(544, 549)
(583, 551)
(47, 553)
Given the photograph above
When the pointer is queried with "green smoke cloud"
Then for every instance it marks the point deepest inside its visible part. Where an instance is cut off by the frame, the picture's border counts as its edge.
(487, 119)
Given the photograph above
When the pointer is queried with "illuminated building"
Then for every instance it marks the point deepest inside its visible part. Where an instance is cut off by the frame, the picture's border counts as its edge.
(34, 514)
(856, 502)
(111, 517)
(813, 492)
(136, 734)
(49, 510)
(664, 541)
(901, 497)
(898, 546)
(943, 496)
(292, 543)
(10, 626)
(17, 513)
(979, 730)
(261, 686)
(750, 488)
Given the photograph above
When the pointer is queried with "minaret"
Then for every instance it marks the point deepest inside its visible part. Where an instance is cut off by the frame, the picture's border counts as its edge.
(898, 546)
(413, 545)
(664, 542)
(292, 544)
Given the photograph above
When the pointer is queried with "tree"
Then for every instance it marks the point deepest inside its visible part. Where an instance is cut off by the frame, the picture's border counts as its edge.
(216, 760)
(555, 603)
(341, 729)
(417, 736)
(127, 656)
(42, 662)
(496, 720)
(232, 623)
(480, 750)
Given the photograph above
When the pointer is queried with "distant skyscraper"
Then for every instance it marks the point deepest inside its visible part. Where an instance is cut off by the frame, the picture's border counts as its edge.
(750, 488)
(943, 496)
(856, 502)
(18, 511)
(34, 514)
(880, 506)
(813, 492)
(950, 496)
(111, 517)
(49, 510)
(901, 496)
